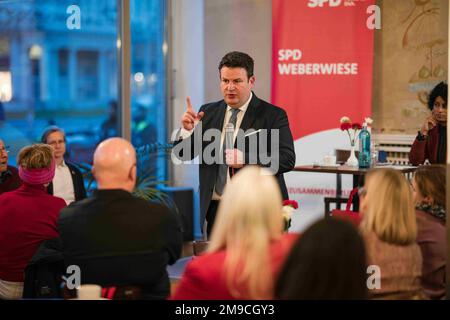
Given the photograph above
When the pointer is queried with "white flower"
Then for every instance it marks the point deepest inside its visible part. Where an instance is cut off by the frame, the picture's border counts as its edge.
(345, 120)
(287, 212)
(368, 121)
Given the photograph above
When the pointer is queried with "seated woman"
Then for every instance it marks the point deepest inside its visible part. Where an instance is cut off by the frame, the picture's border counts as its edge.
(429, 195)
(389, 229)
(431, 140)
(327, 262)
(28, 216)
(247, 244)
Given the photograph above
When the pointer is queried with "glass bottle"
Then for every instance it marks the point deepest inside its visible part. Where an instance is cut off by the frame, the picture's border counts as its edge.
(364, 148)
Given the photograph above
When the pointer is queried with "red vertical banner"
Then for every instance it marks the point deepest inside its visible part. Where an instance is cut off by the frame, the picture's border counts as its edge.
(322, 62)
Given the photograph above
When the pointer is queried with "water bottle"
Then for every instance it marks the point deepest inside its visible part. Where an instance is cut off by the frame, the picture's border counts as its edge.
(364, 148)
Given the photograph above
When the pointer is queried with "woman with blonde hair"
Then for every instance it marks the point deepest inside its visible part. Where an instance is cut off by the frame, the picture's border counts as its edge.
(28, 216)
(389, 228)
(247, 244)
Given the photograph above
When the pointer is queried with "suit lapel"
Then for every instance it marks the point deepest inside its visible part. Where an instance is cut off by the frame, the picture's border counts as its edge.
(218, 117)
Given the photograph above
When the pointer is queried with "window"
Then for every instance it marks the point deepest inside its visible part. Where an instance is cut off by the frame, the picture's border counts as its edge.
(53, 73)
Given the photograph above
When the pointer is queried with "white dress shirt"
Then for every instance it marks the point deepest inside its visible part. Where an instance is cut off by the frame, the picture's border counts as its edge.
(63, 184)
(186, 133)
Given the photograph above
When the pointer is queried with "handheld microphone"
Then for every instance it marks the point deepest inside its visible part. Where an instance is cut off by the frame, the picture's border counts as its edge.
(229, 136)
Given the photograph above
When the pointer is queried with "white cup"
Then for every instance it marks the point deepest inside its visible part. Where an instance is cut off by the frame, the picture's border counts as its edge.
(329, 160)
(89, 292)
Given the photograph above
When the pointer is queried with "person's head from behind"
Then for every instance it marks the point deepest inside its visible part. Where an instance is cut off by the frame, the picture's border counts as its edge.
(236, 78)
(55, 137)
(115, 164)
(328, 261)
(36, 164)
(437, 102)
(387, 207)
(249, 217)
(3, 157)
(429, 185)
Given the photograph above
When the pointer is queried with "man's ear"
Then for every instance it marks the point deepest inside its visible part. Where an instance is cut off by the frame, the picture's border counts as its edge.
(133, 173)
(93, 171)
(252, 80)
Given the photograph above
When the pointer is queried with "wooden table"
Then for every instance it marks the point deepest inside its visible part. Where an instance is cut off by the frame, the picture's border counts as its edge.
(356, 172)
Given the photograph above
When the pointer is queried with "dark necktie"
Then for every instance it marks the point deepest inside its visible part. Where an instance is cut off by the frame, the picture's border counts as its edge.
(223, 168)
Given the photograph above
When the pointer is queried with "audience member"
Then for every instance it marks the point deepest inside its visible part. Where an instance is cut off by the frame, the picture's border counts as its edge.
(327, 262)
(9, 175)
(429, 186)
(247, 245)
(108, 128)
(28, 216)
(68, 183)
(431, 140)
(390, 230)
(115, 238)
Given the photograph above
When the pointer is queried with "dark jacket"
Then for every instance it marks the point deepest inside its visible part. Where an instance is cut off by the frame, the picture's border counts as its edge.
(259, 115)
(422, 150)
(44, 272)
(77, 180)
(117, 239)
(10, 180)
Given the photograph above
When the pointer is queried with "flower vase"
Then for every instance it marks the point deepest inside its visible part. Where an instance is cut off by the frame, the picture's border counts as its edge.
(352, 161)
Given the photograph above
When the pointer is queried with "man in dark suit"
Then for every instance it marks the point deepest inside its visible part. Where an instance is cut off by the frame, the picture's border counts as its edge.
(115, 238)
(260, 131)
(68, 182)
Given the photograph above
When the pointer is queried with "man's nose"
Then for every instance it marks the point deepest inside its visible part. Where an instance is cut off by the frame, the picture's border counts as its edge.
(231, 86)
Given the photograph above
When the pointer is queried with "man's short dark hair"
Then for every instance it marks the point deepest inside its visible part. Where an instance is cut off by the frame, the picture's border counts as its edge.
(49, 131)
(439, 91)
(237, 59)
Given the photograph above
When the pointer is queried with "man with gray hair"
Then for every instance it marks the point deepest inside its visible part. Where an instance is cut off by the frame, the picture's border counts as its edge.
(115, 238)
(68, 182)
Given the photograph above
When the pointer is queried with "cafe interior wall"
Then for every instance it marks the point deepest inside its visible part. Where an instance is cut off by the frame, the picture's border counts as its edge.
(410, 58)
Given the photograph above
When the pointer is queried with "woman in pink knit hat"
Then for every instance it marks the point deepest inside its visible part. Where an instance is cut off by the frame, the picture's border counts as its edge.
(28, 216)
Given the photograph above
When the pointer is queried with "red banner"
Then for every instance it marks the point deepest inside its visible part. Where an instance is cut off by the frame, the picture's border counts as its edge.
(322, 62)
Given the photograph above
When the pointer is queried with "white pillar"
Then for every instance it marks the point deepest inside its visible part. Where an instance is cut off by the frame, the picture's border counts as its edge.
(187, 80)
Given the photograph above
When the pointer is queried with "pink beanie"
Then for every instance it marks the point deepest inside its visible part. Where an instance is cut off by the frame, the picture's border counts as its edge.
(37, 176)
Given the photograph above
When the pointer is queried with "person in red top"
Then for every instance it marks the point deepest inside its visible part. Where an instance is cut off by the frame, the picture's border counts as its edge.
(28, 216)
(431, 141)
(247, 245)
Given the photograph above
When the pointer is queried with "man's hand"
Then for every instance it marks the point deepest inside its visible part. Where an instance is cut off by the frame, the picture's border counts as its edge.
(190, 118)
(234, 158)
(429, 124)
